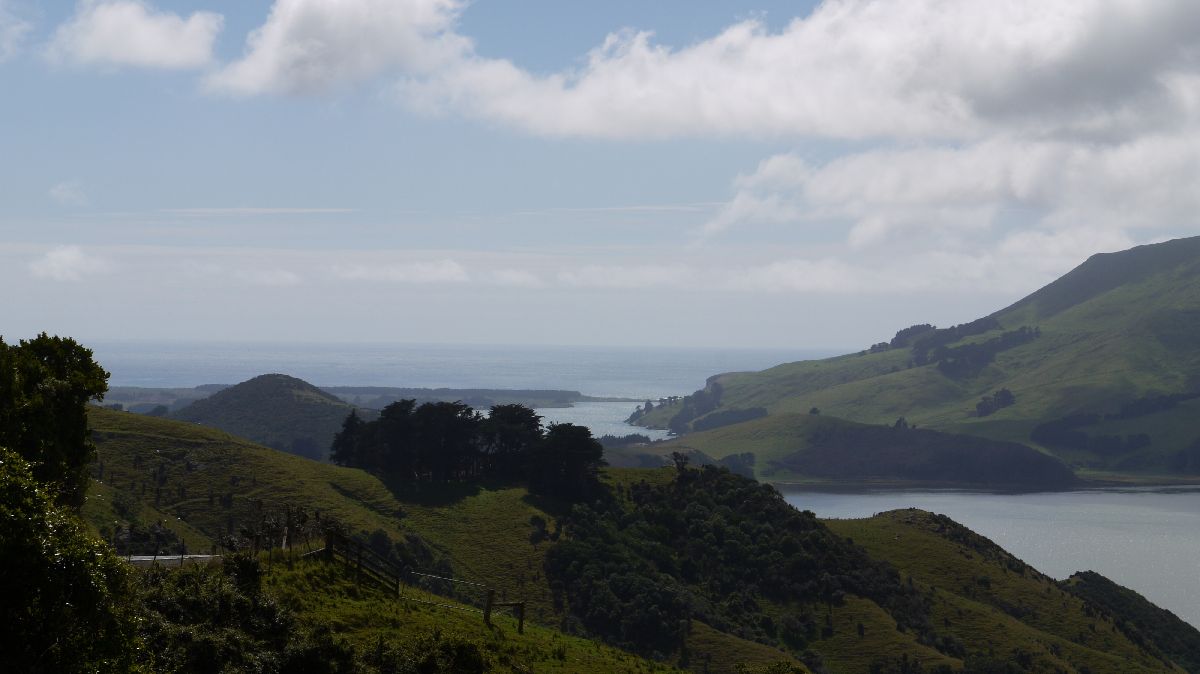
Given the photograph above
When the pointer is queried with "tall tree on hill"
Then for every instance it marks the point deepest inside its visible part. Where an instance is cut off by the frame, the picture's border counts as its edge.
(344, 451)
(45, 385)
(393, 449)
(566, 462)
(448, 438)
(510, 430)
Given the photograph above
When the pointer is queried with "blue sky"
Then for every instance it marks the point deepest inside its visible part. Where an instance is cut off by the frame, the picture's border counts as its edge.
(793, 174)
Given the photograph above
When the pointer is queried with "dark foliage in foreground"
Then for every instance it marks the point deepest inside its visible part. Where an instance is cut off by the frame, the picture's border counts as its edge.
(45, 385)
(711, 545)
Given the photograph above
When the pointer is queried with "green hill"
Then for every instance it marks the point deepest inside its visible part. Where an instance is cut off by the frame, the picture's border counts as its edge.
(1109, 355)
(843, 595)
(275, 410)
(816, 448)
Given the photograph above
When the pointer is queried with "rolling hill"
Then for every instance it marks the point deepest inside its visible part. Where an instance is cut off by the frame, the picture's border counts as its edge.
(792, 448)
(1100, 368)
(899, 588)
(275, 410)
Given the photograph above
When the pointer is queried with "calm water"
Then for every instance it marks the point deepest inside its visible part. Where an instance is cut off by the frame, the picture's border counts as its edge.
(1145, 539)
(602, 418)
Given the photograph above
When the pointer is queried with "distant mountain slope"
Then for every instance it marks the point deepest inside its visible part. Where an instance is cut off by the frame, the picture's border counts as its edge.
(805, 447)
(275, 410)
(1119, 331)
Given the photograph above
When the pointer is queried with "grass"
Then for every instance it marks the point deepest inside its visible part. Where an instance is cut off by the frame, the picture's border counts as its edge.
(325, 594)
(993, 603)
(1119, 327)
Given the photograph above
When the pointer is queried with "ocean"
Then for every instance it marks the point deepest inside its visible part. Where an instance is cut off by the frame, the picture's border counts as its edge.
(641, 373)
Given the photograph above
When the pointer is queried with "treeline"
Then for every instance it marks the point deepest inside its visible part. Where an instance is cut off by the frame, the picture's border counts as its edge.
(848, 451)
(696, 405)
(931, 345)
(992, 403)
(1068, 432)
(728, 417)
(1140, 407)
(969, 360)
(1065, 433)
(450, 441)
(719, 548)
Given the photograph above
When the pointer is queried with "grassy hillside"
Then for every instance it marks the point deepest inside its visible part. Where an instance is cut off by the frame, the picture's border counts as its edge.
(1120, 327)
(504, 537)
(326, 595)
(1160, 629)
(275, 410)
(995, 606)
(813, 448)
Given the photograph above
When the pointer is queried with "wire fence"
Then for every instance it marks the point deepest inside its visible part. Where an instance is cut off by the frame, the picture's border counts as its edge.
(369, 565)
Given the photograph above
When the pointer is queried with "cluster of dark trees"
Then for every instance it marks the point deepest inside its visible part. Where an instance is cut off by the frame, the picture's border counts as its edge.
(931, 345)
(618, 441)
(450, 441)
(1065, 433)
(1140, 407)
(905, 337)
(710, 546)
(726, 417)
(969, 360)
(696, 405)
(996, 401)
(848, 451)
(1186, 460)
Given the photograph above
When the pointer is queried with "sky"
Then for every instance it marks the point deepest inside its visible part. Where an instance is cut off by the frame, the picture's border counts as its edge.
(560, 172)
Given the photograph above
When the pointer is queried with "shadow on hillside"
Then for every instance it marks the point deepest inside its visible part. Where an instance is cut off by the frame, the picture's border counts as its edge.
(554, 507)
(432, 494)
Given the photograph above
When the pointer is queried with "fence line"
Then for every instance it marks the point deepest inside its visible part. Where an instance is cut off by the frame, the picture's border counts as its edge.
(371, 565)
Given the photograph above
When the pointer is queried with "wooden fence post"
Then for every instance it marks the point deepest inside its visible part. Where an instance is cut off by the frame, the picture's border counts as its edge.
(329, 545)
(521, 618)
(358, 573)
(487, 607)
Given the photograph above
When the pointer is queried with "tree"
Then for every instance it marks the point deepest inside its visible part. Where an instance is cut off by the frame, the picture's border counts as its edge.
(45, 385)
(509, 432)
(344, 451)
(66, 601)
(447, 436)
(566, 462)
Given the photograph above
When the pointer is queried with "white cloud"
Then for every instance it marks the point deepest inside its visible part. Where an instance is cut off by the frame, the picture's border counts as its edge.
(133, 33)
(68, 193)
(314, 46)
(67, 263)
(954, 194)
(437, 271)
(13, 30)
(1021, 261)
(857, 69)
